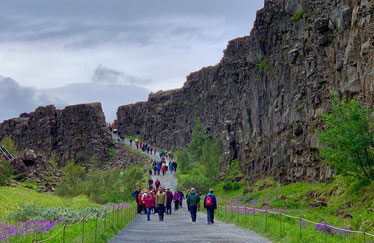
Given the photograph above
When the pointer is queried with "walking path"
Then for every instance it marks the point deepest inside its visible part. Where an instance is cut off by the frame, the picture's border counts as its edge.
(178, 226)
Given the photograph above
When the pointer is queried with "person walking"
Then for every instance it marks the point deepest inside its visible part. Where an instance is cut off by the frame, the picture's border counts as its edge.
(161, 203)
(163, 169)
(198, 205)
(210, 203)
(136, 194)
(140, 202)
(193, 200)
(157, 183)
(181, 198)
(176, 200)
(149, 204)
(169, 200)
(188, 192)
(150, 182)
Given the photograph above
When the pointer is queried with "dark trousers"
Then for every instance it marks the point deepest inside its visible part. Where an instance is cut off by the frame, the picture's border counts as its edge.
(193, 211)
(161, 211)
(210, 214)
(176, 205)
(180, 203)
(140, 208)
(168, 207)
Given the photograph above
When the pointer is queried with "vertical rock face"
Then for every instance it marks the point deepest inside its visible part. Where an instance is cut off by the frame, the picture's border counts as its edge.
(77, 132)
(265, 98)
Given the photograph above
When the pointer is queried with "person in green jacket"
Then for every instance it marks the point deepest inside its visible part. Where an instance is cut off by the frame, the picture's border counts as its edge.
(161, 203)
(193, 200)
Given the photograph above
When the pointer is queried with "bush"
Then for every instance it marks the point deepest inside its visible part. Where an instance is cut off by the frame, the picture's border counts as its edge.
(6, 172)
(199, 162)
(102, 186)
(33, 212)
(347, 141)
(231, 186)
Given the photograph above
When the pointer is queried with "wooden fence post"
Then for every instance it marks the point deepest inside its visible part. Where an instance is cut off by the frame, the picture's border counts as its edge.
(266, 219)
(254, 217)
(83, 229)
(97, 216)
(300, 227)
(113, 218)
(105, 222)
(364, 236)
(63, 234)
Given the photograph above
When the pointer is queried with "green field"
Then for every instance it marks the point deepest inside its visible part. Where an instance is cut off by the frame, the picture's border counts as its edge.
(12, 197)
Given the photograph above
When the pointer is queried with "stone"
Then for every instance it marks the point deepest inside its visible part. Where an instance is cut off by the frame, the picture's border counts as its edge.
(293, 6)
(317, 204)
(322, 25)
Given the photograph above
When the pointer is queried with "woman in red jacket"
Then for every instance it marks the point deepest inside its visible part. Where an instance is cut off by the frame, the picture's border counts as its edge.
(149, 202)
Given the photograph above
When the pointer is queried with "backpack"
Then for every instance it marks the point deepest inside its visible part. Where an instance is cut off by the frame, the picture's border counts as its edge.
(140, 202)
(208, 201)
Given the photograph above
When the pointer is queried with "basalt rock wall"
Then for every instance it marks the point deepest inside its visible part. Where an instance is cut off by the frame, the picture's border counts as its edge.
(265, 98)
(77, 132)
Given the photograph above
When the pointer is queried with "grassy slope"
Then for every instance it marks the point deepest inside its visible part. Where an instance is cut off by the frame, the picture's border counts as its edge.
(295, 198)
(11, 197)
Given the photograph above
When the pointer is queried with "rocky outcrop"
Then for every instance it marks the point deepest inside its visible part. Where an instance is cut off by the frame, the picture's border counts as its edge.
(125, 156)
(77, 132)
(35, 167)
(265, 98)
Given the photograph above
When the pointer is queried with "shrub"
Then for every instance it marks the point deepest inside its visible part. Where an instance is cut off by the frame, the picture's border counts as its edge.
(102, 186)
(298, 15)
(347, 141)
(32, 212)
(6, 172)
(231, 186)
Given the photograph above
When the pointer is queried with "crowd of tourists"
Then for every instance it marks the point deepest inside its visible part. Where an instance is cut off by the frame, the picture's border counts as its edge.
(163, 167)
(159, 200)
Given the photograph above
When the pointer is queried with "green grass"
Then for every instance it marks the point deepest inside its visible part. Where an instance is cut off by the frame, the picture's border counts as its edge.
(11, 197)
(107, 227)
(295, 198)
(269, 226)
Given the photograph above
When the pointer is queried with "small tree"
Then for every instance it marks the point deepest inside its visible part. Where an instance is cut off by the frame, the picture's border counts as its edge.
(197, 140)
(347, 141)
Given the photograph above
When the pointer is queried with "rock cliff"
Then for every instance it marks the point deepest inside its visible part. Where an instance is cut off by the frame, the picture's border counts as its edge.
(265, 98)
(77, 132)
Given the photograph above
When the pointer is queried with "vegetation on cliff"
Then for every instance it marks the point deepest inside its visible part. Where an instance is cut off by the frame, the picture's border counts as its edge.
(199, 162)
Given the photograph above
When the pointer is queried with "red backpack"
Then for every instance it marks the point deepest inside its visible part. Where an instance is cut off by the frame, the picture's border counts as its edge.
(208, 201)
(140, 201)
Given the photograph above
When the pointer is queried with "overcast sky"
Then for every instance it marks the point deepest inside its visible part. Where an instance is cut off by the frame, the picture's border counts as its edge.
(151, 44)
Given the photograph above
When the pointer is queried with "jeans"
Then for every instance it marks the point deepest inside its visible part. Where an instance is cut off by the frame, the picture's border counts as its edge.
(193, 211)
(168, 207)
(161, 211)
(210, 214)
(148, 213)
(180, 203)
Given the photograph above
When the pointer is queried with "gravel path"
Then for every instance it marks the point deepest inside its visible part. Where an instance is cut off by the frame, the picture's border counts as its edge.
(178, 226)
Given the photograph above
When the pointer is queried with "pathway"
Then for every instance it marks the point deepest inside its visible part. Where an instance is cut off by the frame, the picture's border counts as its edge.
(178, 227)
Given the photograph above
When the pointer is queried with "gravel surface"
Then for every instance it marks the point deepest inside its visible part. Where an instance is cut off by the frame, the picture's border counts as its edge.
(178, 226)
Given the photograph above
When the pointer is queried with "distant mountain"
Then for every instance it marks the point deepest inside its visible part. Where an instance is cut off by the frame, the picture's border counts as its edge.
(110, 95)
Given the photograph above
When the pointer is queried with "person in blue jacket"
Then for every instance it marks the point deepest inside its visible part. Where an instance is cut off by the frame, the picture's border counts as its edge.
(210, 203)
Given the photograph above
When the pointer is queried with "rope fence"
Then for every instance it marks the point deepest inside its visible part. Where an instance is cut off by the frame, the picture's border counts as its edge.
(300, 219)
(118, 215)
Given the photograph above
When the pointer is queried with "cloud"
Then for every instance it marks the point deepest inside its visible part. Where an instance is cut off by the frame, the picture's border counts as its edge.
(15, 99)
(111, 96)
(50, 44)
(104, 75)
